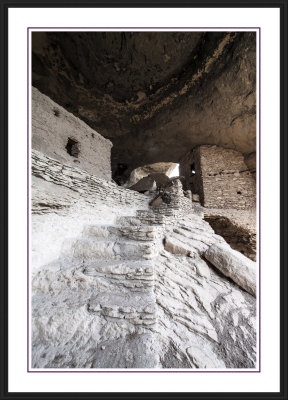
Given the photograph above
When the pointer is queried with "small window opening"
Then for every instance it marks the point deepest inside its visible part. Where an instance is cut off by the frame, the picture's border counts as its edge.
(72, 147)
(239, 192)
(193, 171)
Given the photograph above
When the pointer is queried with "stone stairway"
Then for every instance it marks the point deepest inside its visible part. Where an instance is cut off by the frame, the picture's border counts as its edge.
(123, 241)
(112, 270)
(136, 294)
(122, 253)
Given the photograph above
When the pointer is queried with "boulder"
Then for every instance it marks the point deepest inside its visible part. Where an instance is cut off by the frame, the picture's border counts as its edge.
(233, 265)
(145, 184)
(161, 180)
(152, 181)
(139, 173)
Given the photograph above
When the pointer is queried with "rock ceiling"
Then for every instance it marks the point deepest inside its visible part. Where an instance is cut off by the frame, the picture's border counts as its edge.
(155, 95)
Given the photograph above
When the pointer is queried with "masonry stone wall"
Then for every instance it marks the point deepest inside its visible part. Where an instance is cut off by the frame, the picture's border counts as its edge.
(192, 182)
(80, 184)
(179, 205)
(222, 178)
(64, 137)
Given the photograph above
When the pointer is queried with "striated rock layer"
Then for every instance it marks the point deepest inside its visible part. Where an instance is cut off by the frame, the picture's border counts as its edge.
(127, 286)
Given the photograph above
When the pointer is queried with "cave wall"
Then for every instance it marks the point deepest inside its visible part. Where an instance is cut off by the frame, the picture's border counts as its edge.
(155, 95)
(222, 178)
(56, 133)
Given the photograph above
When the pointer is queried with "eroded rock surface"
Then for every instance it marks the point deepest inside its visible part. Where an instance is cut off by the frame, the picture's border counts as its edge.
(113, 296)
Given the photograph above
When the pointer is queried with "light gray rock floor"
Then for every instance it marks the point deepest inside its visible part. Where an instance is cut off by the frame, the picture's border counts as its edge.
(139, 294)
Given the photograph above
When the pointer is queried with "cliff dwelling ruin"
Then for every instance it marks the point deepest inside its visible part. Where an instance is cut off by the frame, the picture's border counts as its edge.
(143, 200)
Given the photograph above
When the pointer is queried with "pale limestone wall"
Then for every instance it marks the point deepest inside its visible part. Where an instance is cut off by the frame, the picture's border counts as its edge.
(222, 178)
(52, 126)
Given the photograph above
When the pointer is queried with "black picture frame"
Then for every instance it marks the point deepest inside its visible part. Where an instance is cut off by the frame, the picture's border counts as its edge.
(283, 7)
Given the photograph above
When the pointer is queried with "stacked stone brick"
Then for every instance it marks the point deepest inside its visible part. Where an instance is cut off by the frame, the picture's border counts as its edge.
(222, 178)
(178, 205)
(81, 183)
(54, 130)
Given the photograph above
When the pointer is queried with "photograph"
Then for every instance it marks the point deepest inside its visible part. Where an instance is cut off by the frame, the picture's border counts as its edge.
(144, 207)
(144, 217)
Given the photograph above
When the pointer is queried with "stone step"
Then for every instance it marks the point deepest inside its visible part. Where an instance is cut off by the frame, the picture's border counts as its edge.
(98, 231)
(132, 307)
(145, 213)
(141, 233)
(89, 248)
(127, 275)
(117, 275)
(150, 217)
(125, 221)
(120, 269)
